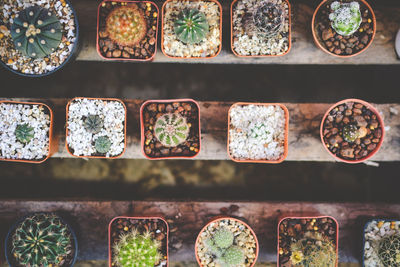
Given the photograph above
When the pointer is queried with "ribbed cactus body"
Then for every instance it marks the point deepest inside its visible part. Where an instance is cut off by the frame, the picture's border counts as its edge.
(171, 129)
(24, 133)
(345, 17)
(102, 144)
(93, 124)
(389, 251)
(191, 26)
(268, 18)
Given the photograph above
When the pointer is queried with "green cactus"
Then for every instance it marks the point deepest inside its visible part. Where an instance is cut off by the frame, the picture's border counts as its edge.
(191, 26)
(36, 32)
(233, 256)
(223, 238)
(102, 144)
(171, 129)
(268, 18)
(93, 124)
(136, 250)
(345, 17)
(389, 251)
(350, 133)
(24, 133)
(41, 240)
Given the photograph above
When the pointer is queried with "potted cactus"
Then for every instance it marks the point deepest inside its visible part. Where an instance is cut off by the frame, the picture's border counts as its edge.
(352, 131)
(41, 239)
(170, 128)
(37, 39)
(96, 127)
(308, 241)
(260, 28)
(120, 39)
(226, 242)
(26, 132)
(344, 28)
(138, 241)
(191, 29)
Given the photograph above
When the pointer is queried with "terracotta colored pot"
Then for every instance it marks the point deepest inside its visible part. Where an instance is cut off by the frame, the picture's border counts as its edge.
(378, 116)
(134, 218)
(307, 218)
(251, 56)
(286, 146)
(53, 141)
(66, 128)
(162, 32)
(316, 39)
(125, 59)
(398, 44)
(143, 130)
(220, 218)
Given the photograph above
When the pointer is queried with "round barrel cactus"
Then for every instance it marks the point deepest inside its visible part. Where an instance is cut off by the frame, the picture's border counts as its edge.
(191, 26)
(93, 124)
(24, 133)
(389, 251)
(350, 133)
(171, 129)
(268, 18)
(103, 144)
(345, 17)
(36, 32)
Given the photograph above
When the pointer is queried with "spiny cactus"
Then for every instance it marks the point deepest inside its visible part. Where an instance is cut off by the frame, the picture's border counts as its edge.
(389, 251)
(102, 144)
(191, 26)
(350, 133)
(233, 256)
(41, 240)
(268, 18)
(24, 133)
(36, 32)
(126, 25)
(345, 17)
(223, 238)
(171, 129)
(136, 250)
(93, 124)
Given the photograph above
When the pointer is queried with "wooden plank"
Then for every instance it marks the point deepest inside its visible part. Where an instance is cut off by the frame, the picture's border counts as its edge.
(304, 51)
(304, 139)
(90, 220)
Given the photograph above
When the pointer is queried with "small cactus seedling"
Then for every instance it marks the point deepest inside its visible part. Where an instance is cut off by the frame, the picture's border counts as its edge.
(93, 124)
(41, 240)
(345, 17)
(223, 238)
(233, 256)
(389, 251)
(171, 129)
(136, 250)
(24, 133)
(126, 25)
(103, 144)
(36, 32)
(350, 133)
(268, 18)
(191, 26)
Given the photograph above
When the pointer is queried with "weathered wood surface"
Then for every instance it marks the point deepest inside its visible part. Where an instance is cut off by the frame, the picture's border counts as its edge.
(90, 220)
(304, 51)
(304, 139)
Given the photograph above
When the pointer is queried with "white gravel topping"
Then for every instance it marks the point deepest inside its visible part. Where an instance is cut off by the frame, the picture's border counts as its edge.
(209, 46)
(257, 132)
(80, 141)
(12, 115)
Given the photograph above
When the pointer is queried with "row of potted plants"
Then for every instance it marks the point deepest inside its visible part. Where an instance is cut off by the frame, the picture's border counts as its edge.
(39, 37)
(351, 130)
(45, 239)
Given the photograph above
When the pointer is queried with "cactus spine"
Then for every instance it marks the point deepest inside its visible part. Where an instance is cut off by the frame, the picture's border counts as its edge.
(268, 18)
(93, 124)
(103, 144)
(171, 129)
(389, 251)
(24, 133)
(191, 27)
(345, 17)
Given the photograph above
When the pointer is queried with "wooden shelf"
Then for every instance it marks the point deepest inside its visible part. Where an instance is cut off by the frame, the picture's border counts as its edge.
(304, 51)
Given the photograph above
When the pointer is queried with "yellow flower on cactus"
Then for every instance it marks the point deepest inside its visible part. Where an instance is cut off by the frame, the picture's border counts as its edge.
(297, 257)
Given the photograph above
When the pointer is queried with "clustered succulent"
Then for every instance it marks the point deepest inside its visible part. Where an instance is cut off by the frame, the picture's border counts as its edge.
(221, 246)
(171, 129)
(41, 240)
(136, 250)
(345, 17)
(24, 133)
(352, 132)
(389, 251)
(102, 144)
(268, 18)
(36, 32)
(191, 26)
(93, 124)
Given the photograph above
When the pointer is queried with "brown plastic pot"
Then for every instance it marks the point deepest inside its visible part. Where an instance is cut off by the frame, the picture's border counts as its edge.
(308, 218)
(66, 127)
(333, 54)
(162, 31)
(53, 141)
(110, 264)
(142, 127)
(378, 116)
(98, 29)
(220, 218)
(286, 146)
(260, 56)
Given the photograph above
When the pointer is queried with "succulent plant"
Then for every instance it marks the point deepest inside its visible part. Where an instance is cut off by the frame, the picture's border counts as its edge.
(345, 17)
(233, 256)
(93, 124)
(126, 25)
(389, 251)
(223, 238)
(24, 133)
(102, 144)
(36, 32)
(134, 249)
(350, 133)
(41, 240)
(171, 129)
(268, 18)
(191, 26)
